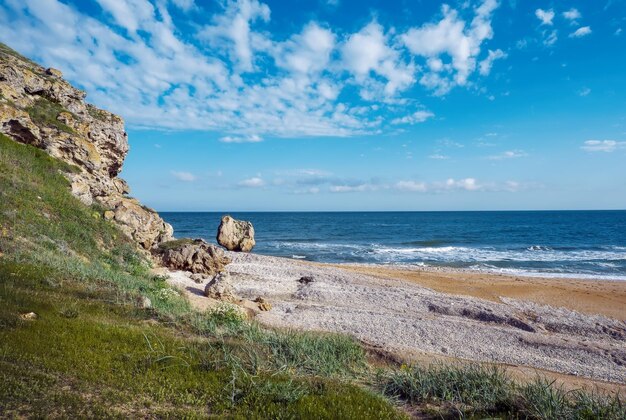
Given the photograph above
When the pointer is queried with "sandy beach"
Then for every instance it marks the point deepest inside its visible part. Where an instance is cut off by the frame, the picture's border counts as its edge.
(574, 329)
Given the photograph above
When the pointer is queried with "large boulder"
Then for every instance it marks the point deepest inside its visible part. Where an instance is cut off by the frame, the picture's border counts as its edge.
(221, 288)
(196, 256)
(236, 235)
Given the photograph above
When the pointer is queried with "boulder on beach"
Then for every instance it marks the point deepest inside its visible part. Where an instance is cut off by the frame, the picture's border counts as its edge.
(236, 235)
(196, 256)
(220, 288)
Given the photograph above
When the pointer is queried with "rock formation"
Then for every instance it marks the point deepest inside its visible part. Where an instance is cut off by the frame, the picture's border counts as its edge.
(196, 256)
(220, 288)
(39, 108)
(236, 235)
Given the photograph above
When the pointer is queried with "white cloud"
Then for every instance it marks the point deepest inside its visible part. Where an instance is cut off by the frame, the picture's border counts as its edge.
(584, 91)
(580, 32)
(467, 184)
(438, 156)
(509, 154)
(606, 146)
(367, 55)
(451, 37)
(353, 188)
(411, 186)
(618, 31)
(545, 16)
(184, 5)
(307, 52)
(233, 77)
(416, 117)
(183, 176)
(487, 63)
(572, 14)
(248, 139)
(255, 182)
(233, 29)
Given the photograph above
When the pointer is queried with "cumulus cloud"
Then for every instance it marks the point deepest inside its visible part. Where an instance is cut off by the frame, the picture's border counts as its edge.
(234, 77)
(451, 37)
(254, 182)
(183, 176)
(581, 32)
(545, 16)
(367, 53)
(416, 117)
(606, 146)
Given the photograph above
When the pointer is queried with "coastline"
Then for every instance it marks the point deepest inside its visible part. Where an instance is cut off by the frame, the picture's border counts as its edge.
(530, 325)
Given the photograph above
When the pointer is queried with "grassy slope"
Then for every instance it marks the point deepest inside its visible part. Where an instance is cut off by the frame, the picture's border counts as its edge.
(92, 352)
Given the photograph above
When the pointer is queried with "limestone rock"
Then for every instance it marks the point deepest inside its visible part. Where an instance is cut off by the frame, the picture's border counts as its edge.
(196, 256)
(220, 288)
(92, 140)
(236, 235)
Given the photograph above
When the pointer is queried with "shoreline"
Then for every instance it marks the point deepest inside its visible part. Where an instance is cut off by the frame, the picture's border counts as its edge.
(544, 325)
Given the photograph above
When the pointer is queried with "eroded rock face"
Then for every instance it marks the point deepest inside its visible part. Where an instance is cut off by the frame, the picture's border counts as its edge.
(236, 235)
(221, 288)
(39, 108)
(196, 256)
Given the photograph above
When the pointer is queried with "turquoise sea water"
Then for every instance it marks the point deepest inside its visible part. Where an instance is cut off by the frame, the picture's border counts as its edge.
(553, 243)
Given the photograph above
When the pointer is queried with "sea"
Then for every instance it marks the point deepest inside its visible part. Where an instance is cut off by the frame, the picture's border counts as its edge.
(581, 244)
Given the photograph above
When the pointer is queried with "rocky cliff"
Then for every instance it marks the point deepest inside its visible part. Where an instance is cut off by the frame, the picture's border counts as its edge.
(39, 108)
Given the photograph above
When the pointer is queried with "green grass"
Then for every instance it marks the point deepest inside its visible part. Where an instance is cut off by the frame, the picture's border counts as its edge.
(475, 390)
(45, 112)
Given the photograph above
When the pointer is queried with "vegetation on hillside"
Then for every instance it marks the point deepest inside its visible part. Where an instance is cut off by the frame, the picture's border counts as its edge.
(77, 340)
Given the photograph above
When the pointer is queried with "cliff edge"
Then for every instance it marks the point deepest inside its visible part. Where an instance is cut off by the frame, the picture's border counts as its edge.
(38, 107)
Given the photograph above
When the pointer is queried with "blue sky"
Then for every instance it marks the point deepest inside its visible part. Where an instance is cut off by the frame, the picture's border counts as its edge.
(350, 105)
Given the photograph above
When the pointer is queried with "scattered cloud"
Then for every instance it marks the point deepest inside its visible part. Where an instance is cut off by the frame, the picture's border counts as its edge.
(416, 117)
(509, 154)
(353, 188)
(581, 32)
(412, 186)
(451, 37)
(229, 74)
(572, 14)
(487, 63)
(584, 91)
(438, 156)
(545, 16)
(618, 31)
(606, 146)
(550, 38)
(255, 182)
(247, 139)
(183, 176)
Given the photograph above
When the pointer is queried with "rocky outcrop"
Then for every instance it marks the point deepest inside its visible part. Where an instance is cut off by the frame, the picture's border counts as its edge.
(236, 235)
(39, 108)
(196, 256)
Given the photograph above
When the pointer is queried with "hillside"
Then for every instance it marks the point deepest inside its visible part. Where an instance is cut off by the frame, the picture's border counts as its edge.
(87, 329)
